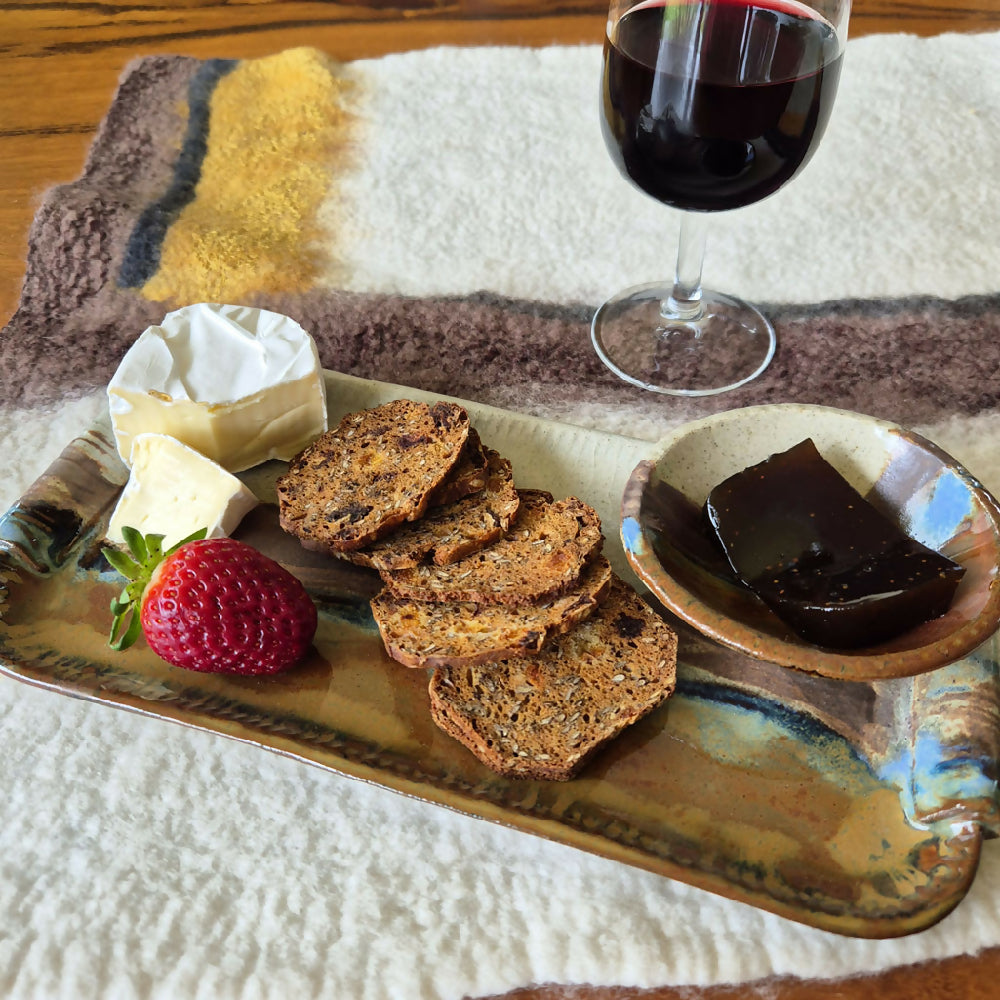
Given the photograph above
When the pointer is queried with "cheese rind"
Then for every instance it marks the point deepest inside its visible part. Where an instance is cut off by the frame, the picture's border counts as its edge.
(239, 385)
(174, 491)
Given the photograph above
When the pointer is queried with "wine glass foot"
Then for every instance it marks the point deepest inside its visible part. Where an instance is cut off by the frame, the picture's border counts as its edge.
(727, 345)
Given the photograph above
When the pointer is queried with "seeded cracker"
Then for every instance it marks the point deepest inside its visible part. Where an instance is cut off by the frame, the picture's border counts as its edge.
(375, 470)
(542, 716)
(542, 555)
(451, 531)
(428, 634)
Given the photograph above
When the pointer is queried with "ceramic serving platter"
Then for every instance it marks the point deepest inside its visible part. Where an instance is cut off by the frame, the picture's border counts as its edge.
(858, 807)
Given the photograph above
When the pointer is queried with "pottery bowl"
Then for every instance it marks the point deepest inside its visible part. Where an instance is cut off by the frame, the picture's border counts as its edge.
(930, 495)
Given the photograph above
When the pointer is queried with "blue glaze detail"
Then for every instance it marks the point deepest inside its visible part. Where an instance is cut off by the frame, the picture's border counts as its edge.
(28, 542)
(943, 780)
(941, 776)
(804, 729)
(935, 514)
(631, 534)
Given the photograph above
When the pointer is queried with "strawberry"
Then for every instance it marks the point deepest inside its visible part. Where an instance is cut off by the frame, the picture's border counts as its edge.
(214, 605)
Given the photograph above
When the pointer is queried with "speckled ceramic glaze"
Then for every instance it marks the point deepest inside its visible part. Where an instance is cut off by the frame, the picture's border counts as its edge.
(858, 807)
(923, 489)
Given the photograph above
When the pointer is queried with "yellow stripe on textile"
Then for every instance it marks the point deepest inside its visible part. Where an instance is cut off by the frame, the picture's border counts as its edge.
(279, 130)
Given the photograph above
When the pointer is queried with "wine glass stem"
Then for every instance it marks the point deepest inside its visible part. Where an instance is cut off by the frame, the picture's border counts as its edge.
(684, 302)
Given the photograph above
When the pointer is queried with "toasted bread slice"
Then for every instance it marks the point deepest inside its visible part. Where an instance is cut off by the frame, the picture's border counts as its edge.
(543, 716)
(431, 634)
(541, 556)
(451, 531)
(375, 470)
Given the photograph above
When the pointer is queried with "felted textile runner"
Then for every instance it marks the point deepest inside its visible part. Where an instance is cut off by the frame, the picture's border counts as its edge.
(449, 219)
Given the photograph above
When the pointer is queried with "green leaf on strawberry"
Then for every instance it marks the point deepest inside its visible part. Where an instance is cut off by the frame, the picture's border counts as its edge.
(146, 553)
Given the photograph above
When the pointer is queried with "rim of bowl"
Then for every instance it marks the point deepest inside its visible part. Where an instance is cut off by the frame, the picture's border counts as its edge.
(865, 664)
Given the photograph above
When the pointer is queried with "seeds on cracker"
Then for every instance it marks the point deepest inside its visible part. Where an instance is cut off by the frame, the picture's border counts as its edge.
(427, 634)
(542, 555)
(451, 531)
(542, 716)
(375, 470)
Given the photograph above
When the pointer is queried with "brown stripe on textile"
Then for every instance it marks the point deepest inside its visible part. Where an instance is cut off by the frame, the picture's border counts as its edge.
(914, 361)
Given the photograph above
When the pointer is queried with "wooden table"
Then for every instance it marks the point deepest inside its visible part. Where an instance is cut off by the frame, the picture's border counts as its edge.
(60, 66)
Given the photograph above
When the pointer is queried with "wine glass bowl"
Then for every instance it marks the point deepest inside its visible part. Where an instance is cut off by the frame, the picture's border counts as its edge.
(708, 105)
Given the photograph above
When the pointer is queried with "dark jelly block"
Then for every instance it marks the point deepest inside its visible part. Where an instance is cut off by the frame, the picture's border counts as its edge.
(832, 567)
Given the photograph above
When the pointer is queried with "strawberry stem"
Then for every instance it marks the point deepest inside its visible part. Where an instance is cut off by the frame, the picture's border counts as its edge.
(137, 565)
(121, 612)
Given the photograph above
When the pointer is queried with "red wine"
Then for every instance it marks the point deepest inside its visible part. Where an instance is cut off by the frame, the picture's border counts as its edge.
(713, 104)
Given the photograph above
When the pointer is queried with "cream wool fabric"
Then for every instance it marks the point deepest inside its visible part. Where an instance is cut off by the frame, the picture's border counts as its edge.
(899, 199)
(141, 859)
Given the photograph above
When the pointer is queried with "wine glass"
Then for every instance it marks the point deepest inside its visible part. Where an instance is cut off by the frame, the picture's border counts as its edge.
(708, 105)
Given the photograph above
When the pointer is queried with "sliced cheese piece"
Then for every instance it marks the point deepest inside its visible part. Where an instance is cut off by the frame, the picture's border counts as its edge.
(172, 490)
(239, 385)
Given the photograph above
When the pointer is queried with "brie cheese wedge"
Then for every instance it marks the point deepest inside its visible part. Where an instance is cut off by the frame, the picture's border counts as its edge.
(174, 491)
(239, 385)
